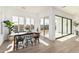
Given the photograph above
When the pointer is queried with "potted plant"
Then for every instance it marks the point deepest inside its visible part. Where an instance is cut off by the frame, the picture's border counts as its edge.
(9, 24)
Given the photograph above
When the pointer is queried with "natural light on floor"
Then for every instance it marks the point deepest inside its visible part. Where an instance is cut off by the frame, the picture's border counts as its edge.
(43, 42)
(77, 39)
(66, 38)
(9, 46)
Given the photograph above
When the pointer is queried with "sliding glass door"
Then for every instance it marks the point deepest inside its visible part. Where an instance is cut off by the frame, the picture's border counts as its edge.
(58, 26)
(63, 26)
(69, 26)
(44, 26)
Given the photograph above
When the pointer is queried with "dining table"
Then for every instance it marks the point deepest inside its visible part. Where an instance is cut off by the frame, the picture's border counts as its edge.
(21, 34)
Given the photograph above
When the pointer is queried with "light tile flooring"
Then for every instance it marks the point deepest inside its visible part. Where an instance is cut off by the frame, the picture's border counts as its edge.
(69, 44)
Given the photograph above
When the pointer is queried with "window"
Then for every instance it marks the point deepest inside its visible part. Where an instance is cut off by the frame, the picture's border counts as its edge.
(69, 26)
(29, 24)
(44, 26)
(21, 24)
(15, 21)
(58, 26)
(63, 26)
(32, 24)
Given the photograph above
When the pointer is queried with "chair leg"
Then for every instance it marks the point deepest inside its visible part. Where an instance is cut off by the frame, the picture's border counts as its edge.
(22, 43)
(38, 40)
(27, 43)
(35, 41)
(16, 45)
(32, 42)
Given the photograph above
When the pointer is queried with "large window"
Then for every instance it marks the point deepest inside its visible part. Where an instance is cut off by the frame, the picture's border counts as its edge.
(29, 24)
(15, 21)
(23, 24)
(32, 24)
(58, 26)
(44, 26)
(69, 26)
(63, 26)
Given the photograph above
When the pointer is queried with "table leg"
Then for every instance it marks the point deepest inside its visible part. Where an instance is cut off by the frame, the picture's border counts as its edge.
(38, 40)
(14, 44)
(35, 41)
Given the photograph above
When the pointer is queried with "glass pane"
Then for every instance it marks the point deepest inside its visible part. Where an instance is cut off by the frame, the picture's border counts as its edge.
(58, 26)
(27, 26)
(69, 26)
(64, 26)
(46, 28)
(32, 24)
(21, 20)
(27, 21)
(21, 24)
(15, 21)
(42, 26)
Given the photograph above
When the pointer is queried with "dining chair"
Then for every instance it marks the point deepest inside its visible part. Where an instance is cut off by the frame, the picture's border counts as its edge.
(19, 39)
(36, 36)
(28, 38)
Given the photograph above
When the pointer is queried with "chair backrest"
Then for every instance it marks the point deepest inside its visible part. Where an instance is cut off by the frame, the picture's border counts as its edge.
(28, 36)
(20, 38)
(36, 35)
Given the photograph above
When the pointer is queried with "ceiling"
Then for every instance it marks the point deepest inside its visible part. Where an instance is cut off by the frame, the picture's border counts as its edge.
(74, 10)
(33, 9)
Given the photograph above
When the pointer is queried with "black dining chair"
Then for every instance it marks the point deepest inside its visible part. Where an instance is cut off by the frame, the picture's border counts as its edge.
(19, 39)
(28, 38)
(36, 36)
